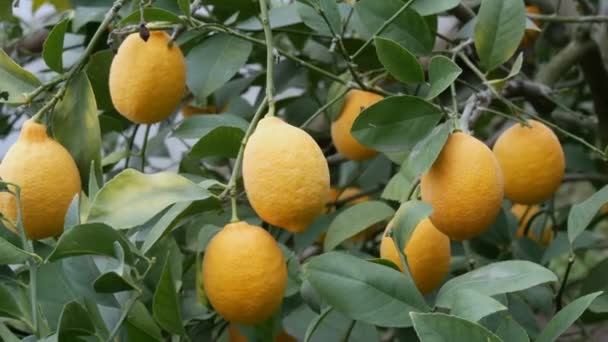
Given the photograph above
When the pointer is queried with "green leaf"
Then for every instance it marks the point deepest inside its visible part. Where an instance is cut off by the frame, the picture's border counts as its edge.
(151, 14)
(164, 223)
(429, 7)
(397, 188)
(442, 73)
(280, 16)
(314, 324)
(355, 219)
(9, 307)
(215, 60)
(439, 327)
(140, 323)
(88, 14)
(15, 81)
(98, 72)
(76, 126)
(510, 330)
(499, 29)
(424, 154)
(166, 304)
(219, 142)
(409, 29)
(398, 61)
(566, 317)
(74, 321)
(381, 297)
(312, 19)
(131, 198)
(198, 126)
(116, 275)
(52, 49)
(5, 334)
(581, 214)
(11, 254)
(90, 239)
(473, 306)
(395, 123)
(184, 6)
(496, 278)
(515, 69)
(335, 89)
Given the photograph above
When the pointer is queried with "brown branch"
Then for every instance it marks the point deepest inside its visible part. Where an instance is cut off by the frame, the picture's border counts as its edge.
(597, 78)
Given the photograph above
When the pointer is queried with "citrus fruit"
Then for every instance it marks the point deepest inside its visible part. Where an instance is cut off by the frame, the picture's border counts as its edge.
(354, 103)
(48, 178)
(532, 161)
(428, 255)
(147, 79)
(524, 213)
(235, 336)
(464, 186)
(244, 273)
(530, 35)
(286, 175)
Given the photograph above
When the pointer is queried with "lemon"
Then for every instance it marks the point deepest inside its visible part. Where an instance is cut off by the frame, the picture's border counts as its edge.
(244, 273)
(428, 255)
(147, 79)
(532, 161)
(464, 186)
(354, 103)
(285, 174)
(524, 214)
(48, 177)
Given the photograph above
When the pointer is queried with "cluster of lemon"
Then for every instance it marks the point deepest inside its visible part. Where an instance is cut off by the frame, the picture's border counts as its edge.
(287, 182)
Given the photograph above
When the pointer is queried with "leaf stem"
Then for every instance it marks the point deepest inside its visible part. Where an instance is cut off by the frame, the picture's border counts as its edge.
(48, 85)
(130, 145)
(239, 158)
(324, 107)
(562, 288)
(270, 91)
(144, 147)
(382, 28)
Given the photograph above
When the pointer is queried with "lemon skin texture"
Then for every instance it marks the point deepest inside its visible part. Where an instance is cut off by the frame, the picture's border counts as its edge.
(285, 174)
(147, 79)
(524, 214)
(48, 177)
(532, 161)
(354, 103)
(244, 273)
(428, 255)
(464, 186)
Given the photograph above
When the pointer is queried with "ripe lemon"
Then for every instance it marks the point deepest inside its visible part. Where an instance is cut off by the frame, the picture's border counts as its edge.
(244, 273)
(464, 186)
(48, 177)
(147, 79)
(524, 214)
(338, 195)
(235, 336)
(531, 35)
(285, 174)
(354, 103)
(532, 161)
(428, 255)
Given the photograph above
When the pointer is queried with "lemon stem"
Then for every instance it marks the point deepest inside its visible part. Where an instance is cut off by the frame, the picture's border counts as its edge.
(468, 252)
(235, 216)
(270, 91)
(239, 158)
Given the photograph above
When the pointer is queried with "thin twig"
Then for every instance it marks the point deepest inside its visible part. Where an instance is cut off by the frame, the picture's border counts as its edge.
(568, 19)
(130, 146)
(270, 92)
(323, 108)
(562, 288)
(142, 153)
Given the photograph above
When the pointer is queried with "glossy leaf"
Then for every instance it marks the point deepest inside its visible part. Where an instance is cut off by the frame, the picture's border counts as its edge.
(499, 30)
(132, 198)
(395, 123)
(140, 323)
(335, 89)
(151, 14)
(398, 61)
(442, 73)
(496, 278)
(98, 71)
(74, 321)
(439, 327)
(581, 214)
(510, 330)
(355, 219)
(424, 154)
(52, 49)
(429, 7)
(15, 82)
(312, 19)
(165, 305)
(215, 60)
(473, 306)
(381, 297)
(184, 6)
(566, 317)
(76, 126)
(280, 16)
(11, 254)
(409, 29)
(397, 188)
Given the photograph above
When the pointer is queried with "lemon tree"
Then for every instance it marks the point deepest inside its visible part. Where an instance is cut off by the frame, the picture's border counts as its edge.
(310, 170)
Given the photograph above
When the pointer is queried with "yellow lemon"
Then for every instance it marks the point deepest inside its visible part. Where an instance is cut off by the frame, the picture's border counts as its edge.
(524, 213)
(532, 161)
(531, 35)
(48, 178)
(354, 103)
(147, 79)
(428, 255)
(464, 186)
(285, 174)
(244, 273)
